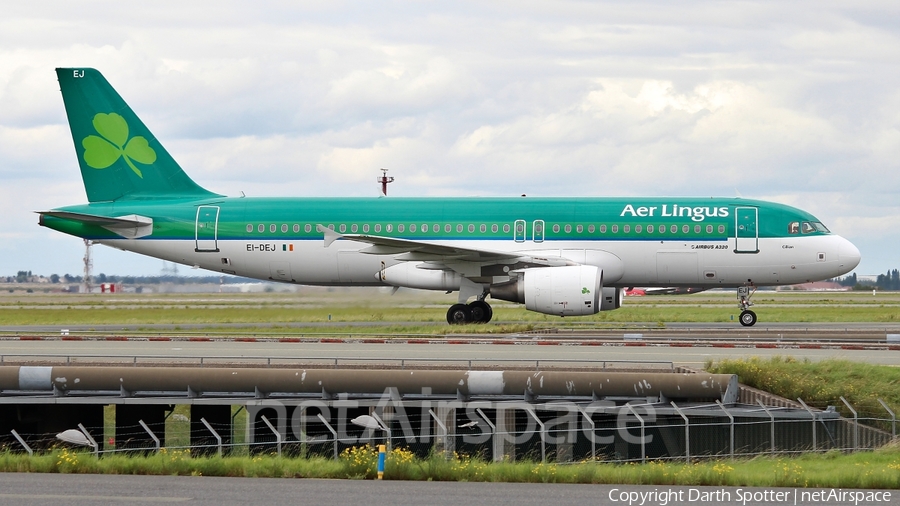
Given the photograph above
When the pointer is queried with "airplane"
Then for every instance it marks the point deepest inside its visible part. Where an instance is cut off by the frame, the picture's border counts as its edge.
(558, 256)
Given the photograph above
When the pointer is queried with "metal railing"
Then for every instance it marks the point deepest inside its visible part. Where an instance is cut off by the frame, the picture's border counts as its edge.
(334, 362)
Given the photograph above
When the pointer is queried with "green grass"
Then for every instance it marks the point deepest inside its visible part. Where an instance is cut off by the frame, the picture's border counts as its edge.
(408, 311)
(878, 469)
(820, 384)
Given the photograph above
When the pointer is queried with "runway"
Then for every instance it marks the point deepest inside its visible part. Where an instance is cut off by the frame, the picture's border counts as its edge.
(84, 490)
(485, 349)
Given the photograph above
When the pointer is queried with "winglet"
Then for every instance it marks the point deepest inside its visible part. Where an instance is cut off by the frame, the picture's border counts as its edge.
(330, 235)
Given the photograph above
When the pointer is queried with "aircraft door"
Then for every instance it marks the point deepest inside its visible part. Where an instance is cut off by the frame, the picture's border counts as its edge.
(537, 230)
(206, 229)
(746, 230)
(519, 231)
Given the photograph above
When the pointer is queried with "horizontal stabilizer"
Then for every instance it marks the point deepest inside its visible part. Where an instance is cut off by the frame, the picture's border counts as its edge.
(130, 227)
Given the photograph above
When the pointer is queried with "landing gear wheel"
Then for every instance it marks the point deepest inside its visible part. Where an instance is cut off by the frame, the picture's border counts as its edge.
(459, 314)
(748, 318)
(481, 311)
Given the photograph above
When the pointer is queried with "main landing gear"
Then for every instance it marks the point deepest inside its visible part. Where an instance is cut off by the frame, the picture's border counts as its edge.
(477, 311)
(748, 318)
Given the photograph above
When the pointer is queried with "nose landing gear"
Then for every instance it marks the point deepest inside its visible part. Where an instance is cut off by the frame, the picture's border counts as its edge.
(747, 318)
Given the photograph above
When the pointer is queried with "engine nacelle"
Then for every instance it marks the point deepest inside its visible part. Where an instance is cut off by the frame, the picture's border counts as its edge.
(408, 275)
(563, 291)
(611, 298)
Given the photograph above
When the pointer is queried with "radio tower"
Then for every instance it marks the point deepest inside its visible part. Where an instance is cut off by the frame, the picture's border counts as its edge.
(86, 281)
(384, 180)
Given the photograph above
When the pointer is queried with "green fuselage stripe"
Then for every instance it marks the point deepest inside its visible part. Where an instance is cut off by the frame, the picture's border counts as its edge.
(295, 219)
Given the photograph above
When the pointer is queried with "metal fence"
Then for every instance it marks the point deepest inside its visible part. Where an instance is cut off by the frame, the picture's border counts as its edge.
(499, 430)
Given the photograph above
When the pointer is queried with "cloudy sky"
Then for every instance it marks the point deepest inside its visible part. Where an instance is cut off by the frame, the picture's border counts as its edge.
(797, 102)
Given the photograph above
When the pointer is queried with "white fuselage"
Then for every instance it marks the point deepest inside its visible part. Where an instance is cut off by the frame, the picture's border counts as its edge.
(780, 261)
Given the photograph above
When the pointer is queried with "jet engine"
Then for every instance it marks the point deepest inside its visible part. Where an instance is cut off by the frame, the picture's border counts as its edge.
(573, 290)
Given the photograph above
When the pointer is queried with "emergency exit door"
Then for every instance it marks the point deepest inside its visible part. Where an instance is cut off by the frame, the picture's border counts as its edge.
(206, 230)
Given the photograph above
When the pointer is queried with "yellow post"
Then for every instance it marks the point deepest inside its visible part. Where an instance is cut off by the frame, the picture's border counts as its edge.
(381, 450)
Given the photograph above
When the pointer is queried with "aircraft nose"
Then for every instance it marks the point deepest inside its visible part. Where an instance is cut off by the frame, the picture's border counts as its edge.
(848, 254)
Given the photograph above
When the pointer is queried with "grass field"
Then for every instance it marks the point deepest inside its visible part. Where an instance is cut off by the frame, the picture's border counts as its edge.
(821, 384)
(879, 469)
(415, 311)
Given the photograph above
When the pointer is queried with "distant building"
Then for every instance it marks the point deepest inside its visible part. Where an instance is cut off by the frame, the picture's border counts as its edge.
(867, 279)
(818, 286)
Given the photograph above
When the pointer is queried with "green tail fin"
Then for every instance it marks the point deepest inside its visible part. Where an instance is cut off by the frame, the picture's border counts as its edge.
(119, 157)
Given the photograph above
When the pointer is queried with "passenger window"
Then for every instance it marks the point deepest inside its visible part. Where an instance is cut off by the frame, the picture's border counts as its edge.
(482, 228)
(649, 229)
(696, 229)
(353, 228)
(555, 229)
(602, 229)
(615, 229)
(307, 228)
(401, 227)
(365, 227)
(249, 227)
(343, 228)
(626, 229)
(273, 227)
(424, 228)
(412, 228)
(709, 229)
(447, 228)
(331, 227)
(721, 229)
(674, 229)
(389, 228)
(284, 228)
(471, 228)
(435, 228)
(296, 228)
(506, 228)
(579, 228)
(662, 229)
(685, 229)
(591, 229)
(637, 229)
(459, 228)
(378, 227)
(494, 228)
(568, 229)
(261, 228)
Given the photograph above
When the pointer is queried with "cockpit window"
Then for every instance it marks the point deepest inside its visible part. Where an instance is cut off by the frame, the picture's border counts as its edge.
(794, 227)
(808, 227)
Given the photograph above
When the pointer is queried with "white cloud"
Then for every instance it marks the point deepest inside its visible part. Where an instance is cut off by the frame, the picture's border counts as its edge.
(766, 98)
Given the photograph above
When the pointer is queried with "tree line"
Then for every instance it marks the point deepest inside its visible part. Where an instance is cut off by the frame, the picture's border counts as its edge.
(887, 281)
(28, 277)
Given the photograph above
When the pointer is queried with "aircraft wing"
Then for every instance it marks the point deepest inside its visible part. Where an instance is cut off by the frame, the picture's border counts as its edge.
(131, 226)
(441, 256)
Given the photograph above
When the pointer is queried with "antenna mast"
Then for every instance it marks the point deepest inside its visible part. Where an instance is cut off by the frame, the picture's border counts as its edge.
(86, 280)
(384, 180)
